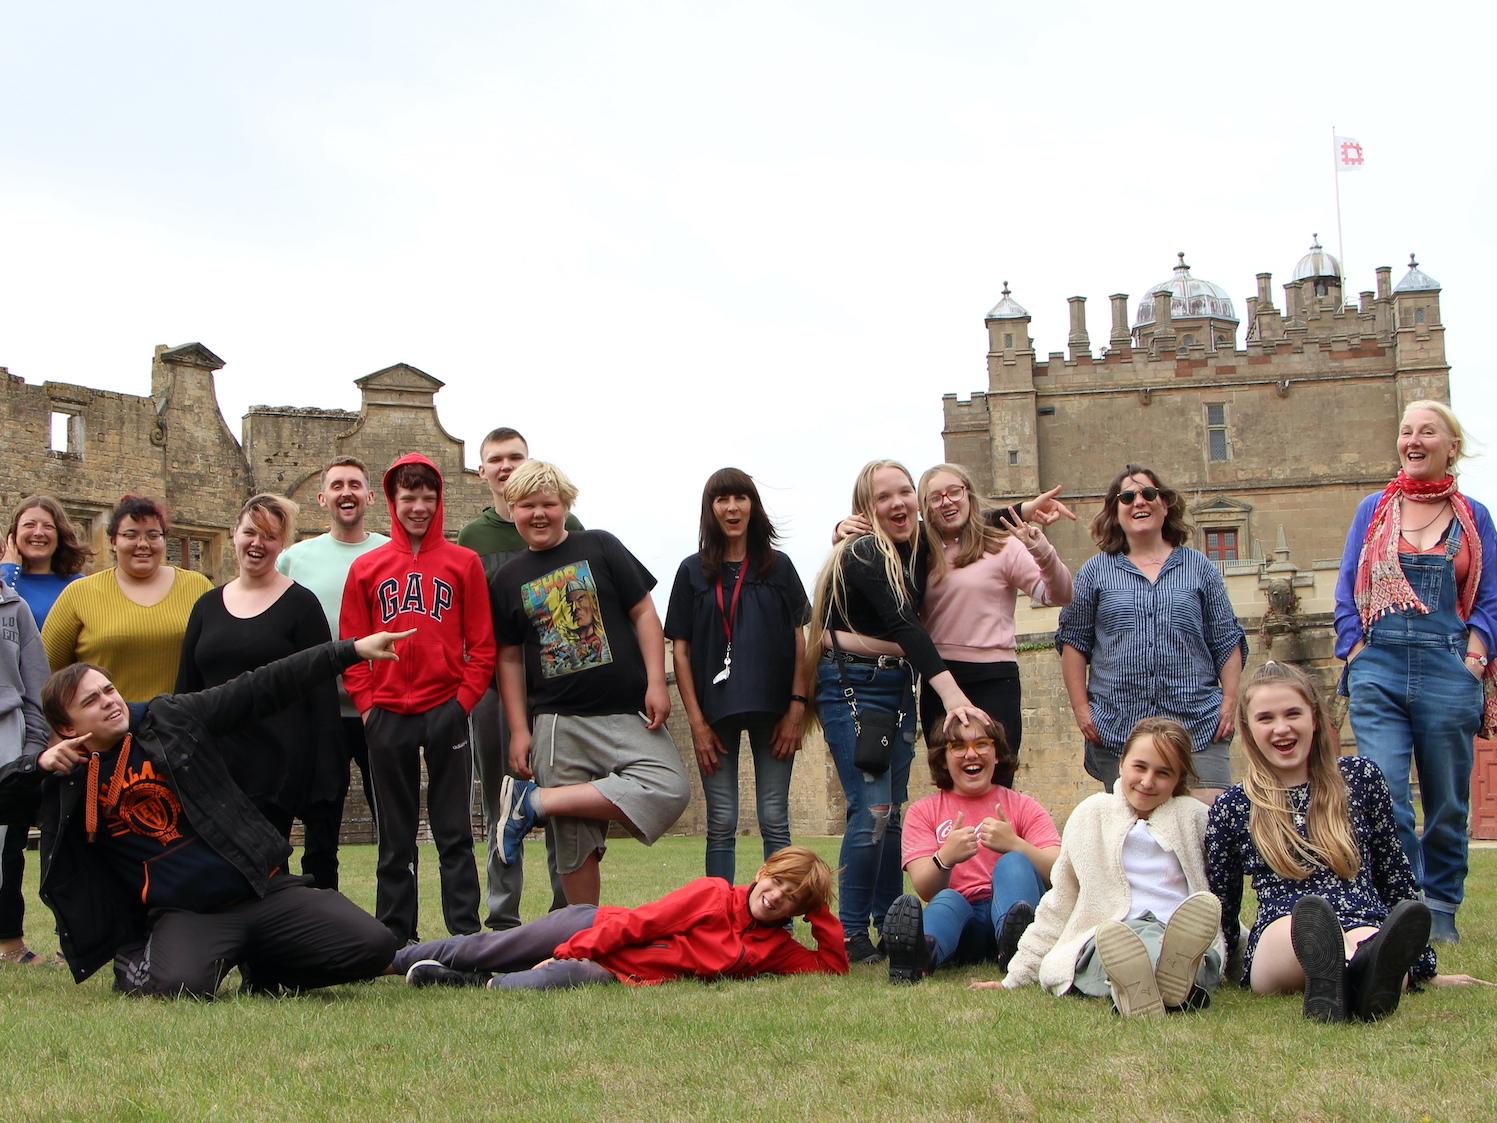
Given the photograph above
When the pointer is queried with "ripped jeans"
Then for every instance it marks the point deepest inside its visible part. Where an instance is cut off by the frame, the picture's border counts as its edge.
(872, 875)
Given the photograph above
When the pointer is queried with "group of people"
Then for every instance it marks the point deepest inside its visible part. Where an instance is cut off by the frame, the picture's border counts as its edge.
(532, 650)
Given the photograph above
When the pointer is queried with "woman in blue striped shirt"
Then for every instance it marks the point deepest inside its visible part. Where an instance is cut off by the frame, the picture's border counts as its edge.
(1150, 632)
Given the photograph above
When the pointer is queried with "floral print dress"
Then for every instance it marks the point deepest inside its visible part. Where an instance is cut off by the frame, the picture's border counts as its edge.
(1383, 879)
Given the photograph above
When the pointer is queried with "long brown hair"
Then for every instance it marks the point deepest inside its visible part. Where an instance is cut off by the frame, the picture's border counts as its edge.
(71, 555)
(761, 535)
(1271, 822)
(977, 538)
(1107, 531)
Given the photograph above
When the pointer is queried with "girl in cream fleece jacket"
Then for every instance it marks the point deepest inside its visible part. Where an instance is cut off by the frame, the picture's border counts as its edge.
(1129, 858)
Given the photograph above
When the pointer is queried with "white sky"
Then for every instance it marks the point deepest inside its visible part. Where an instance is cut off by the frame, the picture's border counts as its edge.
(659, 238)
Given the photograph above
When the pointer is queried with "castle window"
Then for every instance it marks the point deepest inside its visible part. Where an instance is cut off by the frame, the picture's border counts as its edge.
(1217, 449)
(1221, 545)
(188, 550)
(1013, 456)
(66, 438)
(1008, 339)
(1418, 315)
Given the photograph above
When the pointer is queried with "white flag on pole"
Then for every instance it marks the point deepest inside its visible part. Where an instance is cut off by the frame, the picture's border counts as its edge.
(1349, 155)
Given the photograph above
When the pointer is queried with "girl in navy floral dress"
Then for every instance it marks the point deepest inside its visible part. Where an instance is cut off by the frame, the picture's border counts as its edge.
(1338, 911)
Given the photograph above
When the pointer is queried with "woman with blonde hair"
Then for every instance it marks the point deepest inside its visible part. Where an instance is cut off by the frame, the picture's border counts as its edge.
(976, 571)
(1416, 613)
(866, 645)
(290, 758)
(1338, 913)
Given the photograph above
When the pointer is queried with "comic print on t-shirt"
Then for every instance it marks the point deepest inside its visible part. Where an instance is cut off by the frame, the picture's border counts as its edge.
(562, 606)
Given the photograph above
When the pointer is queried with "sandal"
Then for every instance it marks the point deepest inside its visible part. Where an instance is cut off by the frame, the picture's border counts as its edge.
(21, 956)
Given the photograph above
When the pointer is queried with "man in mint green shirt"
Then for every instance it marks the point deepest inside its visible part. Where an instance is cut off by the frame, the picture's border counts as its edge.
(493, 537)
(321, 564)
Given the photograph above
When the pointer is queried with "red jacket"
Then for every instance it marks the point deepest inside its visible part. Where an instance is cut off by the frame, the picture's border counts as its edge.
(703, 930)
(438, 589)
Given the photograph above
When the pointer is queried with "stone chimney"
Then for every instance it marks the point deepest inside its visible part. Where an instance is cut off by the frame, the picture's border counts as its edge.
(1120, 337)
(1079, 343)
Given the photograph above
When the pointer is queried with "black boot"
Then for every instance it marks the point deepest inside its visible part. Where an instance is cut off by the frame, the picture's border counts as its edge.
(1375, 975)
(905, 942)
(1315, 933)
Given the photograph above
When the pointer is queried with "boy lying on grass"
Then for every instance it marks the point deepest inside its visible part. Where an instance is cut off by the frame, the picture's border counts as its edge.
(707, 929)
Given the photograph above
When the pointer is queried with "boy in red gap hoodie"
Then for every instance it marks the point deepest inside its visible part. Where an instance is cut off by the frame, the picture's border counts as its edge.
(423, 701)
(707, 929)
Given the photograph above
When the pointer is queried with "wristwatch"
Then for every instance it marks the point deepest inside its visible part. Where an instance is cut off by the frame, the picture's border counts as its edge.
(1480, 660)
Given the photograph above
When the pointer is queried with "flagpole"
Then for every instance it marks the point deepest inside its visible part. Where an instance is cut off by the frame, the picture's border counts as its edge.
(1340, 242)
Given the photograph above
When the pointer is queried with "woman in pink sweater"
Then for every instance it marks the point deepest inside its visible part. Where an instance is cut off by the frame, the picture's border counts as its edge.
(976, 571)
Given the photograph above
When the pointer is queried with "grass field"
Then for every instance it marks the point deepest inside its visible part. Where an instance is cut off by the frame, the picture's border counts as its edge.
(804, 1048)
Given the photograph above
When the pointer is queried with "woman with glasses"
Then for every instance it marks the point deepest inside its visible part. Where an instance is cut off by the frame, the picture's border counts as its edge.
(975, 571)
(1150, 632)
(128, 620)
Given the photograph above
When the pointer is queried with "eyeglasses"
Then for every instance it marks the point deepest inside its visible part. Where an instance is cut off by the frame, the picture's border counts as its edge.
(953, 494)
(1149, 493)
(963, 746)
(135, 536)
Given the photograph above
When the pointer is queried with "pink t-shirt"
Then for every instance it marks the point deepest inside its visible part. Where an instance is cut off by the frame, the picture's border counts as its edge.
(928, 821)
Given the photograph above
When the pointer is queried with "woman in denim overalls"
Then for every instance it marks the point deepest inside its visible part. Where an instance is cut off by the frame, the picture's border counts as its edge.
(1416, 609)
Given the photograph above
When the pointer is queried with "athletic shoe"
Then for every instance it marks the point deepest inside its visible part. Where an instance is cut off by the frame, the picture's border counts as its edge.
(1315, 932)
(1187, 936)
(1126, 961)
(430, 973)
(860, 949)
(1442, 928)
(1019, 917)
(517, 816)
(1375, 975)
(904, 940)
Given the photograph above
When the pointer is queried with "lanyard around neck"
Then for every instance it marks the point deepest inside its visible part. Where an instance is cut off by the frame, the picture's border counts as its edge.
(730, 613)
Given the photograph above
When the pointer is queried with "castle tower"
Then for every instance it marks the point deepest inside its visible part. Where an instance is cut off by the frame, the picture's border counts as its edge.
(1014, 443)
(1200, 313)
(1319, 276)
(1419, 338)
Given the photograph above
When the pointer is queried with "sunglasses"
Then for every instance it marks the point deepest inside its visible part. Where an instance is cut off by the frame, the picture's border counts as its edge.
(1149, 493)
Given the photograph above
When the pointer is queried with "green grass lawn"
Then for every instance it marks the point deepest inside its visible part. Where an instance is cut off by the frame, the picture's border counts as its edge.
(811, 1047)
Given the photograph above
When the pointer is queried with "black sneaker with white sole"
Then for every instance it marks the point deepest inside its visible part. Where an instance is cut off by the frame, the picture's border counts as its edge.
(1019, 917)
(860, 949)
(430, 973)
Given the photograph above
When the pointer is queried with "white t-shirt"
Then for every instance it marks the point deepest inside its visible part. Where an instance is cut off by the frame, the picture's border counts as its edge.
(1156, 883)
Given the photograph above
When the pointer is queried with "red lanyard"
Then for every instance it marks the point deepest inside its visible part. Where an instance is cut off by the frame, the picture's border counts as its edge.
(731, 612)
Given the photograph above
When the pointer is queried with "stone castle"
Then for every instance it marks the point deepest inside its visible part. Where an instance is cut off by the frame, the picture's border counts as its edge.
(1273, 443)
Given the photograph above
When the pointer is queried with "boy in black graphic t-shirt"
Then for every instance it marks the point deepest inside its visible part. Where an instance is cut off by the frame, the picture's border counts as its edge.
(154, 858)
(582, 679)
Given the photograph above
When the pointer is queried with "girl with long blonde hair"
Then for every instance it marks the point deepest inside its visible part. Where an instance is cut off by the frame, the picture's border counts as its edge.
(865, 647)
(1339, 915)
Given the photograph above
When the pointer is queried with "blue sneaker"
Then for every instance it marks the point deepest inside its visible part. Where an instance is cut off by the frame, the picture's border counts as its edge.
(517, 818)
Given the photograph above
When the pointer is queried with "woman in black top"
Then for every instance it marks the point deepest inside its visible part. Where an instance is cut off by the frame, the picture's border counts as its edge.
(734, 621)
(866, 638)
(290, 758)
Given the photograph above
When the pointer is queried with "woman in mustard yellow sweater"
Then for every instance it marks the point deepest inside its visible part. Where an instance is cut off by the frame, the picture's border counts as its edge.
(129, 620)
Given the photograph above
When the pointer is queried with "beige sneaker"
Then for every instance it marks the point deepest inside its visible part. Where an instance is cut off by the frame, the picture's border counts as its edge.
(1187, 936)
(1126, 961)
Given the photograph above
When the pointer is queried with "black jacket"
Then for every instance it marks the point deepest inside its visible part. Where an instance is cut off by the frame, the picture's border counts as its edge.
(96, 913)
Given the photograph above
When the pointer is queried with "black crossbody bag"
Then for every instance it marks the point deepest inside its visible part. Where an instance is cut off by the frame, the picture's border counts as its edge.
(876, 729)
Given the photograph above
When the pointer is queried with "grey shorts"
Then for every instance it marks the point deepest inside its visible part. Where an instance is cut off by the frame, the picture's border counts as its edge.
(636, 769)
(1091, 979)
(1213, 765)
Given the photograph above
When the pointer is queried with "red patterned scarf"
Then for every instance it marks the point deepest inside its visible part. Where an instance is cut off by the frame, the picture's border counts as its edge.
(1381, 587)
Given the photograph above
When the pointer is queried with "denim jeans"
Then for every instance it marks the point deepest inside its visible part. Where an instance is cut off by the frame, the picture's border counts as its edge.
(1412, 697)
(871, 874)
(967, 931)
(771, 792)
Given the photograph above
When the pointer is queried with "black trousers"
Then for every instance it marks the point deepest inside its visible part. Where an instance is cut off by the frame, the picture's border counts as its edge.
(294, 938)
(998, 696)
(323, 821)
(12, 867)
(395, 745)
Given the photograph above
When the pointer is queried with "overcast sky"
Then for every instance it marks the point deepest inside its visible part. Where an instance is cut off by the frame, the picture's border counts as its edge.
(660, 238)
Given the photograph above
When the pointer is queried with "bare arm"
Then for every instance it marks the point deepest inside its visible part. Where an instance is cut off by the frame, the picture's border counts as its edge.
(512, 697)
(706, 743)
(651, 639)
(1073, 674)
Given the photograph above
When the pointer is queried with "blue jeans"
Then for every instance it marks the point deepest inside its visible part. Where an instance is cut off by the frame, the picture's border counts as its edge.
(967, 931)
(771, 792)
(871, 875)
(1413, 698)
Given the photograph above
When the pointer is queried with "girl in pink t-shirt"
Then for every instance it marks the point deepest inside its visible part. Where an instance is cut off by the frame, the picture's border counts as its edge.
(979, 852)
